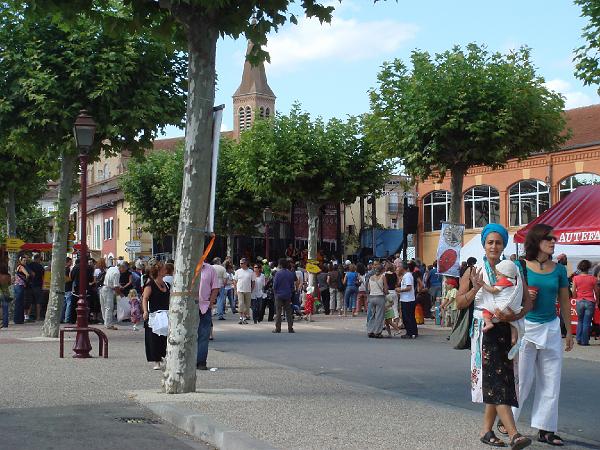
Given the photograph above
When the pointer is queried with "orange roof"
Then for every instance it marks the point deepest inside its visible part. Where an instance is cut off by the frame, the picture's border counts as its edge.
(167, 144)
(585, 126)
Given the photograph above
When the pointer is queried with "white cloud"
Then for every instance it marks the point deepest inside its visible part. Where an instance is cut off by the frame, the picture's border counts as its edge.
(573, 98)
(225, 127)
(345, 40)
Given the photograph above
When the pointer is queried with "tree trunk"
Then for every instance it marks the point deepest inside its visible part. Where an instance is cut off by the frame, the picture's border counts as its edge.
(456, 185)
(56, 297)
(180, 369)
(313, 234)
(230, 242)
(11, 227)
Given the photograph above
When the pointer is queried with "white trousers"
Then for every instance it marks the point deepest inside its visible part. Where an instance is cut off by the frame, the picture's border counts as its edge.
(107, 304)
(542, 366)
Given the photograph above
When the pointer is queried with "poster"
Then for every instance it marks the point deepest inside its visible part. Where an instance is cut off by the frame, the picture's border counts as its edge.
(448, 253)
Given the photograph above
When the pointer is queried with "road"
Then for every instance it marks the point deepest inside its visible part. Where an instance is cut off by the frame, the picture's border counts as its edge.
(426, 368)
(101, 426)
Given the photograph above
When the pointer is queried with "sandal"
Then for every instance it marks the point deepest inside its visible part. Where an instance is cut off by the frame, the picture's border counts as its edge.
(548, 437)
(490, 438)
(501, 428)
(518, 441)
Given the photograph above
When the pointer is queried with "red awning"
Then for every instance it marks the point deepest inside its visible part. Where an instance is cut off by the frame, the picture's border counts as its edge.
(575, 219)
(42, 247)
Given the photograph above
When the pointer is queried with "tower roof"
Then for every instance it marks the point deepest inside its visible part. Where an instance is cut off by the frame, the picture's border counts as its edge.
(254, 79)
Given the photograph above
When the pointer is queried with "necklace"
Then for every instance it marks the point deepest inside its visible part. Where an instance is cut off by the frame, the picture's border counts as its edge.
(541, 263)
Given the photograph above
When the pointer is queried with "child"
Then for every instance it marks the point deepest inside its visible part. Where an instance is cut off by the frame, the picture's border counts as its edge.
(448, 305)
(136, 312)
(309, 302)
(390, 315)
(507, 293)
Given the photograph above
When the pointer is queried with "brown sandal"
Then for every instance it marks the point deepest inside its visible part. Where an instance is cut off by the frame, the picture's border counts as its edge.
(490, 438)
(518, 441)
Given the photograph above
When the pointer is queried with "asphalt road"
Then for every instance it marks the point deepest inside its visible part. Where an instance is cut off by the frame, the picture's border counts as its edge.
(97, 427)
(426, 368)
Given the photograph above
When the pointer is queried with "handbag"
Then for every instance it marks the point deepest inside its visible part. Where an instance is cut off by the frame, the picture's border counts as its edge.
(460, 338)
(158, 321)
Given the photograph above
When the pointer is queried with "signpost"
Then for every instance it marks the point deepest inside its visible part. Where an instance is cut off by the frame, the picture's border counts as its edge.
(14, 244)
(134, 246)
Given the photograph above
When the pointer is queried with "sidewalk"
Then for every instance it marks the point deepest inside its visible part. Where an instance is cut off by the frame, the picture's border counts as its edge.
(273, 405)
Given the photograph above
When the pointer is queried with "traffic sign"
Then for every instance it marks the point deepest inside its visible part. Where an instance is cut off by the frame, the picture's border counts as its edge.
(14, 244)
(133, 246)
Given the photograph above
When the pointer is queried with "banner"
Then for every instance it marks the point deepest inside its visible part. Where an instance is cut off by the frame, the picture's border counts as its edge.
(448, 253)
(217, 119)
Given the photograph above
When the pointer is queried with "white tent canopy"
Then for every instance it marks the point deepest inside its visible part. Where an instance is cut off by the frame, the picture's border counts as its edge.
(575, 253)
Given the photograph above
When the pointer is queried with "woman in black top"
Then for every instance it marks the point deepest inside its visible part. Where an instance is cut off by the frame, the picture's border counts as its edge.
(155, 297)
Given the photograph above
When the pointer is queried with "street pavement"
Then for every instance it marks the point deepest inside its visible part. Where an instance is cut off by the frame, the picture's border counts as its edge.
(426, 368)
(327, 386)
(48, 403)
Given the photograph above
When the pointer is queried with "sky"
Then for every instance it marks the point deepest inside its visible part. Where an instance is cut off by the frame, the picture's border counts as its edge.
(330, 68)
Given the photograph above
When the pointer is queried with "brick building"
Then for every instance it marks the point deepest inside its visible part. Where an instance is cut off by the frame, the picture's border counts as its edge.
(520, 191)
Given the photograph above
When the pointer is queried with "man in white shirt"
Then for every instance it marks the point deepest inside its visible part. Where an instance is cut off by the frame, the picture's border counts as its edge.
(406, 293)
(107, 295)
(243, 283)
(221, 279)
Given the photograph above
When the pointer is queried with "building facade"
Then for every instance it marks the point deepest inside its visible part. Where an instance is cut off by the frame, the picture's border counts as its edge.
(520, 191)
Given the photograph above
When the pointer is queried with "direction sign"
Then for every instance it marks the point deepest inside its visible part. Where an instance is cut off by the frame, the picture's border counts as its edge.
(133, 244)
(14, 244)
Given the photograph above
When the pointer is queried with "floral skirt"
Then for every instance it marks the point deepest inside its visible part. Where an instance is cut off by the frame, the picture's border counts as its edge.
(493, 378)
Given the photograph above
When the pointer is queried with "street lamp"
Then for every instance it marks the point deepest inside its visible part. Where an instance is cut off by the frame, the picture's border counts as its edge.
(84, 130)
(267, 219)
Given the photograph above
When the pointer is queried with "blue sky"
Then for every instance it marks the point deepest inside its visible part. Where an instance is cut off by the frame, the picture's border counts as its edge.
(329, 68)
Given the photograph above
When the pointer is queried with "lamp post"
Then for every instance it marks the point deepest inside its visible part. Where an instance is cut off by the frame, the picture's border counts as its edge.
(84, 130)
(267, 219)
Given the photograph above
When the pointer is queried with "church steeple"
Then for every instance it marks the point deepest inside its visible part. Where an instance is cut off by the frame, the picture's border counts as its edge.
(253, 96)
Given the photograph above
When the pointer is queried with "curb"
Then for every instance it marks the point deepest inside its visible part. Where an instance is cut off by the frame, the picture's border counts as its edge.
(205, 428)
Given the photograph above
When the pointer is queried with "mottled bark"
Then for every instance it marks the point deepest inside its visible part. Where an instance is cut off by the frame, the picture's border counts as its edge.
(56, 297)
(313, 232)
(456, 185)
(230, 241)
(180, 369)
(11, 227)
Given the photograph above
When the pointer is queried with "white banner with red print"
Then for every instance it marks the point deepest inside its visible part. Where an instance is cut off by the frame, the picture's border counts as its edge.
(448, 253)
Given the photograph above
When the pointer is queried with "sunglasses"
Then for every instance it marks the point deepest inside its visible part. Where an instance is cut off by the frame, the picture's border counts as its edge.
(549, 238)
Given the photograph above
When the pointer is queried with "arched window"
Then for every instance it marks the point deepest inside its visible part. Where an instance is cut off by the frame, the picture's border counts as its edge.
(435, 210)
(241, 118)
(482, 206)
(248, 117)
(262, 112)
(571, 183)
(267, 112)
(528, 199)
(106, 172)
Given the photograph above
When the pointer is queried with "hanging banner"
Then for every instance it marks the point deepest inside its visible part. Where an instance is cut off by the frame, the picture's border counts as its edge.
(448, 253)
(217, 119)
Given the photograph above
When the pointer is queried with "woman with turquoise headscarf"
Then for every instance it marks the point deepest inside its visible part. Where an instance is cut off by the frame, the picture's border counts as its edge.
(493, 379)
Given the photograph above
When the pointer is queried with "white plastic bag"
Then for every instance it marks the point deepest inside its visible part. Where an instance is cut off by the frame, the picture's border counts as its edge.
(159, 322)
(123, 309)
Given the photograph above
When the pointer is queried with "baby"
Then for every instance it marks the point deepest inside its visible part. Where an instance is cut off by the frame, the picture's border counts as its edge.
(507, 293)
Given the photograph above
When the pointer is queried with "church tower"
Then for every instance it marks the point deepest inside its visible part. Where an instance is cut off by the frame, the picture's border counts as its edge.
(254, 96)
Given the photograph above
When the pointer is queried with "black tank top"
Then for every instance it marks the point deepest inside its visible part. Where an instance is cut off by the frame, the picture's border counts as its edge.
(158, 299)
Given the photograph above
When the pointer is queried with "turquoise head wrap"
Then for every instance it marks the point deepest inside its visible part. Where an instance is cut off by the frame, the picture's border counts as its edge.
(494, 228)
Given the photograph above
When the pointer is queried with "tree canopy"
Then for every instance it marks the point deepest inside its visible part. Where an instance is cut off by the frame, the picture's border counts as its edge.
(298, 158)
(463, 108)
(587, 57)
(152, 188)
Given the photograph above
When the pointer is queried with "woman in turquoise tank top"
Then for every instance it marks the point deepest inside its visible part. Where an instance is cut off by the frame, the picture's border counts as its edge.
(540, 356)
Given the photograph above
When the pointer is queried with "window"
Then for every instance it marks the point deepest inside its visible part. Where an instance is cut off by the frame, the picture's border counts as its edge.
(106, 172)
(528, 199)
(241, 118)
(482, 206)
(97, 243)
(435, 210)
(267, 112)
(394, 224)
(248, 122)
(108, 229)
(571, 183)
(262, 112)
(393, 205)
